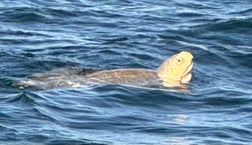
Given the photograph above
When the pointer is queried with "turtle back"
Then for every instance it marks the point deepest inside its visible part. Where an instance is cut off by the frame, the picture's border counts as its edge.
(139, 77)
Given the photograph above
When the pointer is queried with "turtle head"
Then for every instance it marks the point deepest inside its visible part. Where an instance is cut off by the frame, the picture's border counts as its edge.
(176, 68)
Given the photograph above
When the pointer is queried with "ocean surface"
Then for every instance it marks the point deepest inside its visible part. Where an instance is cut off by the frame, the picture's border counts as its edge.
(38, 36)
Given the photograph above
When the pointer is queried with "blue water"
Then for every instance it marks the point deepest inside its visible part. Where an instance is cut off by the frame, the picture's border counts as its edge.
(38, 36)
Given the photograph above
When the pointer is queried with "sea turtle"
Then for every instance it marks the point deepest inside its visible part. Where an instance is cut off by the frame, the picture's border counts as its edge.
(173, 72)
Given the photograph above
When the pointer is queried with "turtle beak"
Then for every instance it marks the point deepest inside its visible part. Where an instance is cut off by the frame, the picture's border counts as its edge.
(187, 74)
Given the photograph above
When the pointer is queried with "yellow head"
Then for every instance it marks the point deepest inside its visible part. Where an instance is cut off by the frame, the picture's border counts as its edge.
(176, 68)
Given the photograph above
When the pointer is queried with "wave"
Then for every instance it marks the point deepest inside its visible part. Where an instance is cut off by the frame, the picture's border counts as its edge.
(24, 14)
(242, 12)
(230, 25)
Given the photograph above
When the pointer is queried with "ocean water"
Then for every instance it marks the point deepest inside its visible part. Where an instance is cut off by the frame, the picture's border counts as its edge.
(39, 36)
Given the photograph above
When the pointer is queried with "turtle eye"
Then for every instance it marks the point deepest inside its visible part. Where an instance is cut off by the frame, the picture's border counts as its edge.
(180, 60)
